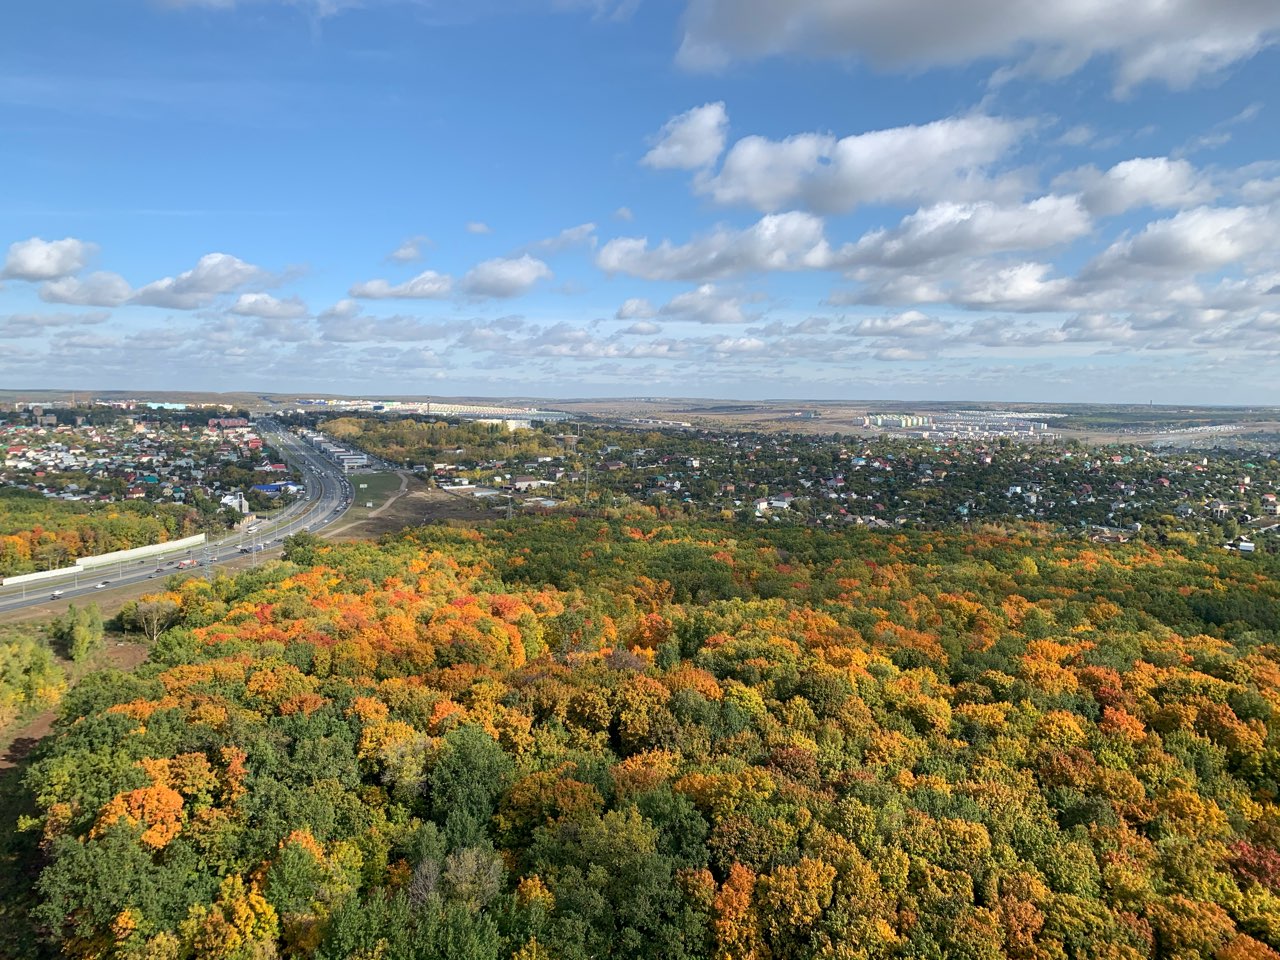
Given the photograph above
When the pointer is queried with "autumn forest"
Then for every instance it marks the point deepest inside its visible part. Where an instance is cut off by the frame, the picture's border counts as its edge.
(585, 738)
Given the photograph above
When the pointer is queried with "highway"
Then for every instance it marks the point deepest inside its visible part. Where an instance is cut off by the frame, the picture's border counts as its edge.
(328, 498)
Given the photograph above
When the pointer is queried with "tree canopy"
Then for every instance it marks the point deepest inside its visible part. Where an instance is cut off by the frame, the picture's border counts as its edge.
(572, 739)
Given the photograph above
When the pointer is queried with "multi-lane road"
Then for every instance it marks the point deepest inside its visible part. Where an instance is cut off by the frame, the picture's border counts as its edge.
(328, 497)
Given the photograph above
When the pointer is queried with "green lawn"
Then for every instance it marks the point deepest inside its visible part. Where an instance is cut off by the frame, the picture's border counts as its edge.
(379, 490)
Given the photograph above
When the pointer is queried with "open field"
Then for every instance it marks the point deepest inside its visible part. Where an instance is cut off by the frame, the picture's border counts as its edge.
(418, 504)
(378, 489)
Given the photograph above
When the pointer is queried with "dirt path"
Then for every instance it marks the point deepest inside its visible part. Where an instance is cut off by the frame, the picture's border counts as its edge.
(118, 654)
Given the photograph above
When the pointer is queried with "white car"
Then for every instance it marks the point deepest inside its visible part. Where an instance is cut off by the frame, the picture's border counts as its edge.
(102, 584)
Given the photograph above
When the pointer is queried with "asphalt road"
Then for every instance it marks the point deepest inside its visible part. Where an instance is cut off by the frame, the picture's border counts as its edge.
(328, 498)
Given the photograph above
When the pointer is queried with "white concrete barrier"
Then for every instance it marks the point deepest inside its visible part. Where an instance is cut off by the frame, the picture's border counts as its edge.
(41, 575)
(138, 553)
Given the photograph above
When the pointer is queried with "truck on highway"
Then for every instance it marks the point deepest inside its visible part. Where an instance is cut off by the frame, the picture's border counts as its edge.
(186, 564)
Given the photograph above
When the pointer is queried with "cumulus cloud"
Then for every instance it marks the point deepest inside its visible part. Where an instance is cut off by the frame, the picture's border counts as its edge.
(267, 307)
(635, 308)
(943, 159)
(1077, 136)
(1020, 286)
(1024, 286)
(38, 259)
(77, 342)
(784, 241)
(566, 341)
(21, 326)
(731, 345)
(400, 329)
(1193, 241)
(642, 328)
(283, 329)
(478, 228)
(1141, 182)
(428, 285)
(504, 277)
(690, 141)
(343, 309)
(1175, 42)
(213, 275)
(907, 326)
(706, 304)
(409, 250)
(582, 234)
(101, 289)
(1084, 328)
(902, 354)
(948, 230)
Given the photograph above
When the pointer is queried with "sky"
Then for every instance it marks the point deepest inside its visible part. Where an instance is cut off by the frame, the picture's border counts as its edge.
(1075, 201)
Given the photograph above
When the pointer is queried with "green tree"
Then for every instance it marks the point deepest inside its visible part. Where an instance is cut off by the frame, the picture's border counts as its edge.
(465, 784)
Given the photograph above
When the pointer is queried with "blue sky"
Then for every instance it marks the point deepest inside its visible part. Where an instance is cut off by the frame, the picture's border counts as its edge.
(829, 199)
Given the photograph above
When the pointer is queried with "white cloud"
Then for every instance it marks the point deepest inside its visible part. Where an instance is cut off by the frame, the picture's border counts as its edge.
(283, 329)
(37, 259)
(783, 241)
(642, 328)
(1077, 136)
(909, 325)
(1020, 286)
(902, 354)
(624, 214)
(76, 342)
(690, 141)
(738, 345)
(706, 304)
(504, 277)
(1140, 182)
(635, 308)
(343, 309)
(1173, 41)
(101, 289)
(949, 230)
(399, 329)
(583, 233)
(1261, 190)
(947, 158)
(22, 326)
(213, 275)
(267, 307)
(409, 250)
(428, 285)
(1088, 328)
(479, 228)
(1192, 241)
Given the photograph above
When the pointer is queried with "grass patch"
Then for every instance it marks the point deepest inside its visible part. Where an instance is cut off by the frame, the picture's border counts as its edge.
(381, 487)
